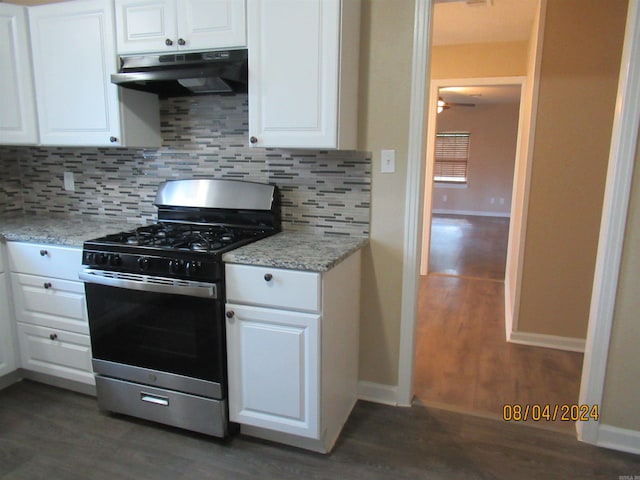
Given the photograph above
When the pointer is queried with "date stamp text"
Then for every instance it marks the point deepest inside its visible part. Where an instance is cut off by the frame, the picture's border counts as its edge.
(514, 412)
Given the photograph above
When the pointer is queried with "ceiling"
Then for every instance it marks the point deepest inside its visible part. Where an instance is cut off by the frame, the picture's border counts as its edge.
(458, 22)
(482, 21)
(481, 95)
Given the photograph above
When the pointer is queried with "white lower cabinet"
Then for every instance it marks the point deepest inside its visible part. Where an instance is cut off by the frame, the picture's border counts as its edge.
(55, 352)
(50, 311)
(7, 351)
(275, 369)
(292, 351)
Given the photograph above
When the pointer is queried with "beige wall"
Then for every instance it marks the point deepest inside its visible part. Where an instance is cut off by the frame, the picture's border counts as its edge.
(492, 150)
(578, 83)
(500, 59)
(622, 389)
(385, 72)
(528, 99)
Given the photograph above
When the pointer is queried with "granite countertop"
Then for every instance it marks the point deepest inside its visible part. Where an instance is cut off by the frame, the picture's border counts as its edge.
(66, 231)
(296, 251)
(290, 250)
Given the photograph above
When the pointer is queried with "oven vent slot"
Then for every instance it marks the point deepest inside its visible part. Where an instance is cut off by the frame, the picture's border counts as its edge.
(168, 281)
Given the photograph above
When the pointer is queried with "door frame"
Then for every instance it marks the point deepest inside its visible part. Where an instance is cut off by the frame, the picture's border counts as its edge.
(624, 142)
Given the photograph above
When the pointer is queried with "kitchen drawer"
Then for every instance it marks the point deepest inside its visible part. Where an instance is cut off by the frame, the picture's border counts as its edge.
(45, 260)
(50, 302)
(273, 287)
(55, 352)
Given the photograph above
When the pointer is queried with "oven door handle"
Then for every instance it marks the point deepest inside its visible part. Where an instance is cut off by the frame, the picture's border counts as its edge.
(147, 283)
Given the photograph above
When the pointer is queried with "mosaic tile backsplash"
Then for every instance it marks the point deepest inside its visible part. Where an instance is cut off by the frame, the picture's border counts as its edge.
(205, 136)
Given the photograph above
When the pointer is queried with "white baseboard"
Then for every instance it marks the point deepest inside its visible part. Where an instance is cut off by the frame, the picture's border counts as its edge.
(378, 393)
(471, 212)
(570, 344)
(618, 438)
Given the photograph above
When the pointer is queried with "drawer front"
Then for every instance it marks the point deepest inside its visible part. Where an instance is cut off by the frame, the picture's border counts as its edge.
(55, 352)
(273, 287)
(178, 409)
(45, 260)
(50, 302)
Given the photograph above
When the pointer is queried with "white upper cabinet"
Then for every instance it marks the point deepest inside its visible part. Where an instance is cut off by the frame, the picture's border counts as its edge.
(18, 124)
(170, 25)
(303, 73)
(74, 55)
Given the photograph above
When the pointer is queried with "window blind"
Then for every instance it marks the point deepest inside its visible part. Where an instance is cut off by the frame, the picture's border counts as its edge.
(451, 157)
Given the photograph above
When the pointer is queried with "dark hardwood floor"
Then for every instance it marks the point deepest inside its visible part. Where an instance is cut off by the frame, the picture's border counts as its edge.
(49, 433)
(463, 361)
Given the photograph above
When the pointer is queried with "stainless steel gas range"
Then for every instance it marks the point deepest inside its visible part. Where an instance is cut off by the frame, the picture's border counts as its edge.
(155, 300)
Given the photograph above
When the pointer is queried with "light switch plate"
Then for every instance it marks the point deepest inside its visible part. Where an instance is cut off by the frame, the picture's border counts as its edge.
(387, 161)
(69, 182)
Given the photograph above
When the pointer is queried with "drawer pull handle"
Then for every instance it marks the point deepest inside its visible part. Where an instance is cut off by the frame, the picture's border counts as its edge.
(47, 285)
(155, 399)
(230, 314)
(53, 336)
(268, 277)
(43, 253)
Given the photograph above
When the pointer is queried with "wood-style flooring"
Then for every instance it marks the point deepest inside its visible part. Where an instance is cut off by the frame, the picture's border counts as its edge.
(463, 362)
(468, 246)
(51, 434)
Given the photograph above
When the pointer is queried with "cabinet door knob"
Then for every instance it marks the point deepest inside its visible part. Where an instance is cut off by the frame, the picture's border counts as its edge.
(181, 42)
(230, 314)
(268, 277)
(168, 42)
(43, 253)
(47, 285)
(53, 336)
(253, 140)
(113, 139)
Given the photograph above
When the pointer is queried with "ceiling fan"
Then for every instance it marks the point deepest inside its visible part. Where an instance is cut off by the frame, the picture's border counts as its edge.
(442, 105)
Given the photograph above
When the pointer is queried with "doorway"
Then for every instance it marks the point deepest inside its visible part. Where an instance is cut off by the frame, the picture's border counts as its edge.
(475, 137)
(462, 360)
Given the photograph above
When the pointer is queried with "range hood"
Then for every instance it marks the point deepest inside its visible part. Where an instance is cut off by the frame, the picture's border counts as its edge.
(219, 71)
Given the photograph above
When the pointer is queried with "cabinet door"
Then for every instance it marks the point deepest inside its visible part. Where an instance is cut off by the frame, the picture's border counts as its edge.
(18, 112)
(74, 55)
(7, 353)
(273, 364)
(294, 58)
(206, 24)
(146, 26)
(55, 352)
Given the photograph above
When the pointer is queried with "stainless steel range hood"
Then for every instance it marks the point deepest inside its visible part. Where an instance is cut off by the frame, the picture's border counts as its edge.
(220, 71)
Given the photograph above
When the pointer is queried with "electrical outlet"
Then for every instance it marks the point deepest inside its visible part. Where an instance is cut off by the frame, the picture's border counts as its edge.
(387, 161)
(69, 182)
(501, 200)
(444, 198)
(493, 200)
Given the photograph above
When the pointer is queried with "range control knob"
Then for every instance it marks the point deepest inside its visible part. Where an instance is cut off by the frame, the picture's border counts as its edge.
(176, 265)
(143, 263)
(101, 258)
(193, 267)
(89, 258)
(115, 260)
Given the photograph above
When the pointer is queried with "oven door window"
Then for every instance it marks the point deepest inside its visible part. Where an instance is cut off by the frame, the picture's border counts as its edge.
(171, 333)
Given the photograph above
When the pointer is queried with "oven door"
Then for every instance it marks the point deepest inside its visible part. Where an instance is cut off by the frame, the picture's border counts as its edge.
(162, 332)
